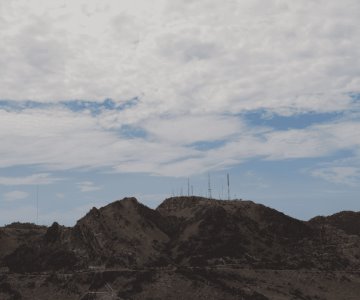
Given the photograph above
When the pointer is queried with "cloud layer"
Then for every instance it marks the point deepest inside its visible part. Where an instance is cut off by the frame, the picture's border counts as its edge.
(183, 55)
(181, 76)
(60, 139)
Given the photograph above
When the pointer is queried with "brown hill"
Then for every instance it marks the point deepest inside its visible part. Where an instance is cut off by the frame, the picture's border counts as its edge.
(205, 248)
(189, 231)
(16, 234)
(124, 233)
(211, 232)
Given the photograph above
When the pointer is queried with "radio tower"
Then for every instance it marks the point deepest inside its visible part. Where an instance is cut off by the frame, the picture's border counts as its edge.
(228, 185)
(37, 205)
(188, 187)
(209, 186)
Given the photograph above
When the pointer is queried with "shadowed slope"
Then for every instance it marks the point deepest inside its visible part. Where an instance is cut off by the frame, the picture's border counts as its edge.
(124, 233)
(190, 231)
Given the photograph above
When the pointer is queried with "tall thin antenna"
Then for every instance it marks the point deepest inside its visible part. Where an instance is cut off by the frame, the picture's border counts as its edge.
(228, 185)
(209, 186)
(188, 187)
(37, 204)
(192, 190)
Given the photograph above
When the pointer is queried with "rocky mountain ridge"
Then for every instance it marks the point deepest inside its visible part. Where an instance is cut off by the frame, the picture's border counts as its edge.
(188, 247)
(185, 231)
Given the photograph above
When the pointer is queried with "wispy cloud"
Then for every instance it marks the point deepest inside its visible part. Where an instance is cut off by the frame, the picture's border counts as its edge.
(36, 137)
(88, 186)
(15, 195)
(35, 179)
(341, 175)
(343, 171)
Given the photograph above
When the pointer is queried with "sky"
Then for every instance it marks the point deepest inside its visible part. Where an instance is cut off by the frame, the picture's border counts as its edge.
(103, 99)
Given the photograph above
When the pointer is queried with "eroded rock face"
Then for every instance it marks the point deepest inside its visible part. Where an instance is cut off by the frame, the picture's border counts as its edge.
(185, 231)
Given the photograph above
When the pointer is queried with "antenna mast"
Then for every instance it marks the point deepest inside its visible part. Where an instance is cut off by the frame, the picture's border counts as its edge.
(209, 184)
(37, 205)
(228, 185)
(188, 187)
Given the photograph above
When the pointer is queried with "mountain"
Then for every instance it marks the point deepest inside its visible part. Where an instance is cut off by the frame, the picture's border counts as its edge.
(237, 232)
(190, 242)
(124, 233)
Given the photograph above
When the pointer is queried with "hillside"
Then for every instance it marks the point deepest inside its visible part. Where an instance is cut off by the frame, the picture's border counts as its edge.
(208, 246)
(16, 234)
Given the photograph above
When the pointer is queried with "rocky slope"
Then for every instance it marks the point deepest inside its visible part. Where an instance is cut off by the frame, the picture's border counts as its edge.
(186, 231)
(194, 240)
(16, 234)
(348, 221)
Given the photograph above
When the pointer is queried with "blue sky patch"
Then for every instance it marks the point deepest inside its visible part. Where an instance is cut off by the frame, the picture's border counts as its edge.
(21, 105)
(97, 107)
(130, 131)
(300, 121)
(207, 145)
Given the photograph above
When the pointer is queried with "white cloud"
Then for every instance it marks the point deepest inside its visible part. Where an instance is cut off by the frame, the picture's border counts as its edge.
(37, 137)
(88, 186)
(342, 171)
(194, 67)
(59, 139)
(186, 56)
(341, 175)
(15, 195)
(184, 130)
(35, 179)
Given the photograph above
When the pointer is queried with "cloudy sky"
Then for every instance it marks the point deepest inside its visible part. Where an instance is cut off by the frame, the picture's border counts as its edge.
(101, 99)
